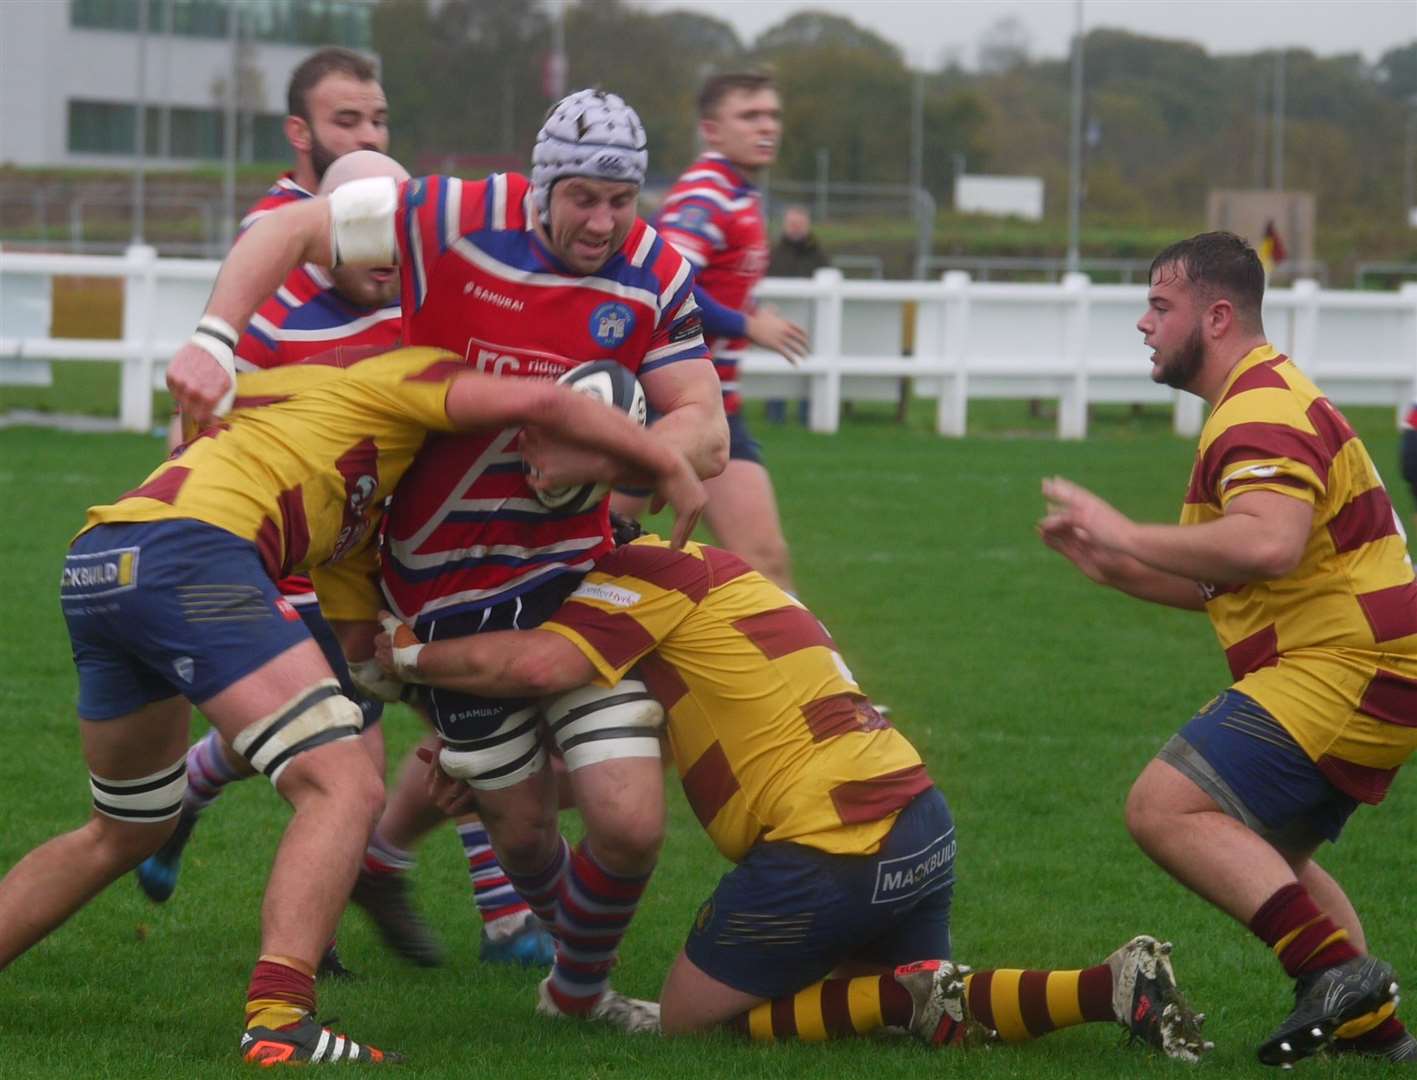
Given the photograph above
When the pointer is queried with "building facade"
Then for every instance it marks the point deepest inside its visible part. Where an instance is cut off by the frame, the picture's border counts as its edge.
(73, 72)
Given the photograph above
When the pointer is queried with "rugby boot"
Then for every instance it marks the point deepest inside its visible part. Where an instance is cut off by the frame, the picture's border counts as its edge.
(630, 1015)
(1148, 1004)
(1323, 1002)
(309, 1043)
(157, 874)
(940, 1013)
(387, 900)
(1401, 1051)
(331, 966)
(529, 946)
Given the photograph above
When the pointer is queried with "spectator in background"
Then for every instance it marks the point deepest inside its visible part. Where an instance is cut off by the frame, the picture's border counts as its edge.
(796, 254)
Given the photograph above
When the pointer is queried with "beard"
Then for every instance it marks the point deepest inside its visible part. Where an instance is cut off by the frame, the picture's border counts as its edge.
(321, 158)
(1180, 369)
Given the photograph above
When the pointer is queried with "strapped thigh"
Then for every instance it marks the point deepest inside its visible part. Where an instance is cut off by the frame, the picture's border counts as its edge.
(506, 757)
(157, 797)
(319, 714)
(592, 724)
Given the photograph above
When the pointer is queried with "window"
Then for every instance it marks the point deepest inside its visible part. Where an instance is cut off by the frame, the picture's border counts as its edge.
(102, 127)
(288, 22)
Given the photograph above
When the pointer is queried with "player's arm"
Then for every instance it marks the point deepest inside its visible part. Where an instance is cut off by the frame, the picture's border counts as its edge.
(1122, 572)
(764, 326)
(354, 225)
(198, 376)
(1261, 536)
(503, 663)
(689, 398)
(484, 401)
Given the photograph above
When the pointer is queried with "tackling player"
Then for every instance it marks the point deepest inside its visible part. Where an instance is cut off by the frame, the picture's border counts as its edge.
(713, 214)
(169, 597)
(524, 278)
(1289, 542)
(844, 847)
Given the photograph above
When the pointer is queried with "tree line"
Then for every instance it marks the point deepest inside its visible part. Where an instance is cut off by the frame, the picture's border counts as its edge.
(1165, 120)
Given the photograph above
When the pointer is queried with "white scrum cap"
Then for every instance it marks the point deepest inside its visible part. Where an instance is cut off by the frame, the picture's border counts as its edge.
(589, 133)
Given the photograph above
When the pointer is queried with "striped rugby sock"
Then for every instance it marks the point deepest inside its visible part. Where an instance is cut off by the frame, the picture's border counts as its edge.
(502, 908)
(594, 911)
(830, 1009)
(207, 772)
(1302, 936)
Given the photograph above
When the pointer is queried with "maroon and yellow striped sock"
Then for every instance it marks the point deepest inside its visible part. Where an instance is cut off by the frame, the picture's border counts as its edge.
(1022, 1005)
(1018, 1004)
(830, 1009)
(281, 993)
(1302, 936)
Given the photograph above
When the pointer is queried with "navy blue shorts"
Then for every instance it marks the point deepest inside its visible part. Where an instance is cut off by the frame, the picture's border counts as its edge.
(1408, 459)
(741, 444)
(788, 915)
(1242, 757)
(157, 609)
(461, 718)
(324, 635)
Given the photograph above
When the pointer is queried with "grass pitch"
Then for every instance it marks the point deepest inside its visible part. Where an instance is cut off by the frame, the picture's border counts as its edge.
(1034, 696)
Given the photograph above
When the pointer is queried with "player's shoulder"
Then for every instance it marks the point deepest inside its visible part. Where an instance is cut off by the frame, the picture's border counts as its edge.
(498, 201)
(650, 560)
(1269, 390)
(282, 193)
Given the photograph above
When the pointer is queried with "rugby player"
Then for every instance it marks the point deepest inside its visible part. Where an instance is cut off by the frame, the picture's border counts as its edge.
(524, 278)
(1289, 542)
(714, 216)
(170, 599)
(844, 847)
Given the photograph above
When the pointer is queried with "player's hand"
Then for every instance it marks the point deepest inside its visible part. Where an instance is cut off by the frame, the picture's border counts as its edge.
(396, 648)
(682, 491)
(372, 681)
(449, 794)
(197, 383)
(770, 330)
(1092, 520)
(553, 463)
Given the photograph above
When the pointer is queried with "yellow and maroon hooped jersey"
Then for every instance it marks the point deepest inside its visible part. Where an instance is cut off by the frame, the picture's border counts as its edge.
(1330, 649)
(302, 465)
(772, 737)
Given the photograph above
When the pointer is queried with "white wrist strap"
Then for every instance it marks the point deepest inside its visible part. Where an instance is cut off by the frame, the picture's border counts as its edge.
(222, 353)
(405, 656)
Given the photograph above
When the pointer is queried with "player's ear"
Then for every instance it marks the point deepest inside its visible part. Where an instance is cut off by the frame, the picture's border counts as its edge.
(1220, 317)
(297, 133)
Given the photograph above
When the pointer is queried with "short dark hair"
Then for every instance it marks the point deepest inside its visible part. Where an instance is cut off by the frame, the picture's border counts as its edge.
(717, 87)
(329, 61)
(1219, 264)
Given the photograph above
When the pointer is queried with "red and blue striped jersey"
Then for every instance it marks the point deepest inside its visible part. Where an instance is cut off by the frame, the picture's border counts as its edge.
(714, 217)
(465, 530)
(282, 193)
(306, 317)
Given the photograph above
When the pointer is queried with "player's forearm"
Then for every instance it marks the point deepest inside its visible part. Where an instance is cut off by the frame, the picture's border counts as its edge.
(1144, 582)
(1235, 549)
(264, 257)
(585, 421)
(699, 431)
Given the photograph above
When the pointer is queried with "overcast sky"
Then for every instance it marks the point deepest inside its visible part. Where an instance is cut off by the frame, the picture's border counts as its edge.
(929, 31)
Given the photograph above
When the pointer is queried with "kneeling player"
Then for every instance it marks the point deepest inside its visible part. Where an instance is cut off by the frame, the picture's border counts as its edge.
(844, 847)
(170, 599)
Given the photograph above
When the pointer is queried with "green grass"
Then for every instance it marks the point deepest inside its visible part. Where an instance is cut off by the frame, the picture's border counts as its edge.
(1034, 696)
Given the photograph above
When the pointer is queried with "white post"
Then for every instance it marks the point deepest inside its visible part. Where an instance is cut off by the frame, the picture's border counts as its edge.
(1072, 406)
(135, 395)
(1408, 292)
(1306, 326)
(951, 414)
(824, 409)
(1188, 417)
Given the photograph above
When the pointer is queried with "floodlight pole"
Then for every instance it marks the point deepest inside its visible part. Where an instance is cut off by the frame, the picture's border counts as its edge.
(141, 128)
(1075, 145)
(233, 76)
(1278, 165)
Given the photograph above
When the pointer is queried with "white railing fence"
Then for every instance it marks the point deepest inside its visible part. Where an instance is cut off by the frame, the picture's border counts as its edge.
(956, 340)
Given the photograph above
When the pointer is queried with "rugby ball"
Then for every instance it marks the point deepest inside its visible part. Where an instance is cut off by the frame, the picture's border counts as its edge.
(614, 385)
